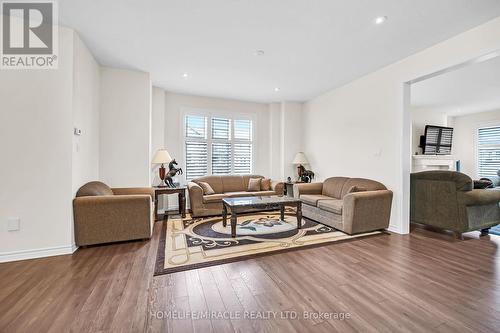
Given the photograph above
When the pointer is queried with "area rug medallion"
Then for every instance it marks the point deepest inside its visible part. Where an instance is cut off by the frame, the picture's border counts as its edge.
(191, 243)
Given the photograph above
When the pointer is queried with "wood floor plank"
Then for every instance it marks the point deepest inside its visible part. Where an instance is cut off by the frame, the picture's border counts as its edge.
(420, 282)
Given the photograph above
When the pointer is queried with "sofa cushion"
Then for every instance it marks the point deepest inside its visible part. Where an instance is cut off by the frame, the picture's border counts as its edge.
(94, 189)
(233, 184)
(312, 199)
(367, 184)
(246, 179)
(239, 194)
(355, 189)
(332, 187)
(214, 198)
(253, 185)
(265, 184)
(207, 189)
(214, 181)
(333, 205)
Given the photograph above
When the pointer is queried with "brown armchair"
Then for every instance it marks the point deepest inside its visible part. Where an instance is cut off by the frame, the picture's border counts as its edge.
(105, 215)
(446, 200)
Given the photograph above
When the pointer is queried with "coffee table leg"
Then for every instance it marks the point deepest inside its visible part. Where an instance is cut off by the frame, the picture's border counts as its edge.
(299, 215)
(233, 223)
(224, 215)
(282, 213)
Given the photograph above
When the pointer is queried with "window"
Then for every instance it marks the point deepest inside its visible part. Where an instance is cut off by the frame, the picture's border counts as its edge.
(488, 151)
(218, 145)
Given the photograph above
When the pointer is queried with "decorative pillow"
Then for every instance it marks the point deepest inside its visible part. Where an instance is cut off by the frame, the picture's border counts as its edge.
(253, 185)
(355, 188)
(265, 184)
(207, 189)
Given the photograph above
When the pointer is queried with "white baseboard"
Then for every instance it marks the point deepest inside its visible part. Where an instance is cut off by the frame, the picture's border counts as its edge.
(395, 229)
(37, 253)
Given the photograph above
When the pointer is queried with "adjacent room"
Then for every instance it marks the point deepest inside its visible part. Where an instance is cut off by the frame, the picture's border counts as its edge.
(250, 166)
(456, 127)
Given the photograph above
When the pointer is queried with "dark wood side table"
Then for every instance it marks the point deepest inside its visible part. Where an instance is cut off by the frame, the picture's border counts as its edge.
(181, 191)
(289, 187)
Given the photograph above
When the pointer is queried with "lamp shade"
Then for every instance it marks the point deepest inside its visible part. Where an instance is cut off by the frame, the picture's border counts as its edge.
(161, 156)
(300, 158)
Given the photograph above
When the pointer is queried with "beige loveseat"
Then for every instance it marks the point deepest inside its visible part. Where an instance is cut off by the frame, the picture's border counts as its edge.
(105, 215)
(352, 205)
(225, 186)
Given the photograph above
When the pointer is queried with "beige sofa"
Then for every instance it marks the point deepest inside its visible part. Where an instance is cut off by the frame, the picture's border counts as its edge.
(352, 205)
(105, 215)
(447, 200)
(224, 186)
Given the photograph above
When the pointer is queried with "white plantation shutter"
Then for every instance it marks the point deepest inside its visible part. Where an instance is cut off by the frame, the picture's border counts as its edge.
(221, 158)
(196, 127)
(488, 151)
(221, 128)
(196, 159)
(218, 145)
(242, 158)
(243, 130)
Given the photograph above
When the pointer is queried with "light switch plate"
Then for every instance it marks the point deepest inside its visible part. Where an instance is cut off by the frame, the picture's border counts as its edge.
(13, 224)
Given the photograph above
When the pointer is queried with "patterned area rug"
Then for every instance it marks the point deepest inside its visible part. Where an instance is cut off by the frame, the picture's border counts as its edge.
(191, 243)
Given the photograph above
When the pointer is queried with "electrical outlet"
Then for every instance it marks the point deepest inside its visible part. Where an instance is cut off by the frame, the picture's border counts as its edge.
(13, 224)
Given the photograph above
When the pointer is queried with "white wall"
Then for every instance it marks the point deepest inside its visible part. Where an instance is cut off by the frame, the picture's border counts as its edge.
(420, 118)
(86, 86)
(292, 137)
(157, 128)
(36, 121)
(275, 135)
(465, 135)
(359, 130)
(125, 128)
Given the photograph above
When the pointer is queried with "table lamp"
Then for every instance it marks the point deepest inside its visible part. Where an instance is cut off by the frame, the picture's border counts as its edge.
(300, 158)
(161, 157)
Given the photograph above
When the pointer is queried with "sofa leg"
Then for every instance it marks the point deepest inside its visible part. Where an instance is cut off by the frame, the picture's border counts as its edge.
(485, 231)
(458, 235)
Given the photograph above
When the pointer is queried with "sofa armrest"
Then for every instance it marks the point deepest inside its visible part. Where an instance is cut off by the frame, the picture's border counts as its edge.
(195, 194)
(479, 197)
(366, 211)
(110, 218)
(307, 188)
(278, 187)
(134, 190)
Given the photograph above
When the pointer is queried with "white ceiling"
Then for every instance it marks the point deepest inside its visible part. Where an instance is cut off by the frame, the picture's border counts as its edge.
(471, 89)
(310, 46)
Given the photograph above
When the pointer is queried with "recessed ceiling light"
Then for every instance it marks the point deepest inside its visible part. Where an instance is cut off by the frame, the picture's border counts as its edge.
(380, 19)
(259, 52)
(276, 89)
(185, 75)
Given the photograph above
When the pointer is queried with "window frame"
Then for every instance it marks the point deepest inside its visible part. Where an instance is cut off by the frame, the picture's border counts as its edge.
(213, 113)
(476, 144)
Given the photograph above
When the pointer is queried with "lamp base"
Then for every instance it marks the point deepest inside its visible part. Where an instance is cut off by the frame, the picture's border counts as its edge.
(161, 174)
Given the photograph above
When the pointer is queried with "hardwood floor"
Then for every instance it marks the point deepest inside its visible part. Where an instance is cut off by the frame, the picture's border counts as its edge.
(415, 283)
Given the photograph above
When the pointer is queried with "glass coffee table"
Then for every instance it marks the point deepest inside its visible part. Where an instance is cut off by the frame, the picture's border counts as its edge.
(254, 204)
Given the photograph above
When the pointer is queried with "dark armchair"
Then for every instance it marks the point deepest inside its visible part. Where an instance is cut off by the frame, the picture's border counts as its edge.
(447, 200)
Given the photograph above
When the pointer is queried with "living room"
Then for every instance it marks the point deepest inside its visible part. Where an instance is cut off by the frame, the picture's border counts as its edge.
(289, 205)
